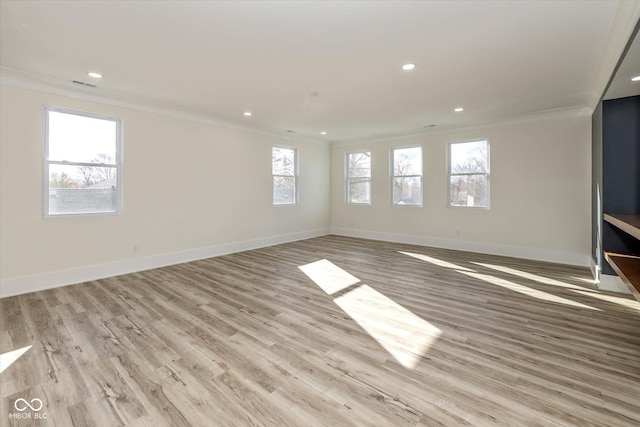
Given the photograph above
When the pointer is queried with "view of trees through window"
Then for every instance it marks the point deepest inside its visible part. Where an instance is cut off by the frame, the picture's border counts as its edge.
(81, 163)
(407, 176)
(359, 177)
(284, 169)
(62, 176)
(469, 174)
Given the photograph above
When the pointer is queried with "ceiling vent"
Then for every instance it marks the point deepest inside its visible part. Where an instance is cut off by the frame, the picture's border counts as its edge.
(78, 82)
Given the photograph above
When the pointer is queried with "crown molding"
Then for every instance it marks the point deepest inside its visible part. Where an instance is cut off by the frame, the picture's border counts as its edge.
(538, 116)
(31, 82)
(36, 83)
(624, 25)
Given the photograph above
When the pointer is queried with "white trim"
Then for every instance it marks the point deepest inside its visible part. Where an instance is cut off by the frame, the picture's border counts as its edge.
(118, 162)
(594, 270)
(612, 284)
(487, 174)
(624, 23)
(537, 254)
(294, 176)
(23, 80)
(55, 279)
(348, 178)
(60, 90)
(539, 116)
(393, 176)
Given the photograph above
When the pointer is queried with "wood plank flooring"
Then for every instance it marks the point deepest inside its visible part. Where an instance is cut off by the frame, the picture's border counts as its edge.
(403, 336)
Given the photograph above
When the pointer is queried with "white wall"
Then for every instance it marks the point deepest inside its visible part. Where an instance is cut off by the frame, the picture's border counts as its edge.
(540, 193)
(191, 190)
(181, 203)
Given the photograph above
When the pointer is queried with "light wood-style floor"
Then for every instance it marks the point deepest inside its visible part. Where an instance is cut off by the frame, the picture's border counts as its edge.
(330, 331)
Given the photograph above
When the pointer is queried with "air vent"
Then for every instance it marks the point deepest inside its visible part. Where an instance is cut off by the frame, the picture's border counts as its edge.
(82, 83)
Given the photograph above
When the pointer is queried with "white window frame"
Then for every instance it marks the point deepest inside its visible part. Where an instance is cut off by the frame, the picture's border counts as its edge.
(349, 179)
(487, 174)
(294, 176)
(46, 162)
(393, 175)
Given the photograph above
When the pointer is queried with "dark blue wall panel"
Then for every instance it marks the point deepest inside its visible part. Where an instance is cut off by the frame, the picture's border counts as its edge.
(620, 169)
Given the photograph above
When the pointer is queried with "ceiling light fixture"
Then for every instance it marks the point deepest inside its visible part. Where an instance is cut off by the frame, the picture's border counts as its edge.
(95, 75)
(459, 110)
(323, 133)
(248, 113)
(408, 67)
(635, 79)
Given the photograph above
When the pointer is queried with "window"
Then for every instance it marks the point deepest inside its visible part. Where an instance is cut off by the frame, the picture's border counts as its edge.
(469, 174)
(284, 169)
(359, 177)
(407, 176)
(82, 163)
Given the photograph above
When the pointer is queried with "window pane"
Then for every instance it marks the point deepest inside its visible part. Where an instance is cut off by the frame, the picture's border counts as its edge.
(407, 191)
(469, 157)
(359, 165)
(284, 190)
(359, 191)
(407, 161)
(468, 190)
(283, 161)
(82, 139)
(79, 189)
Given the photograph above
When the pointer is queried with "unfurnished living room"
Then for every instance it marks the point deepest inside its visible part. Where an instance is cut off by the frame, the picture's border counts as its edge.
(319, 213)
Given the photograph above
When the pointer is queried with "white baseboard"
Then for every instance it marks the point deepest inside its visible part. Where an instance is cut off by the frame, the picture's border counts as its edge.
(612, 284)
(537, 254)
(55, 279)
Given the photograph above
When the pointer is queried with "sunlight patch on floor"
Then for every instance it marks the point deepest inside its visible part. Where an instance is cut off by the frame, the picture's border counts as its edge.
(530, 292)
(625, 302)
(404, 335)
(435, 261)
(7, 359)
(329, 276)
(530, 276)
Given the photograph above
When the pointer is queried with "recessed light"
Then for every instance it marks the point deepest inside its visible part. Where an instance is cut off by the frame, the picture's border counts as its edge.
(408, 67)
(95, 75)
(635, 79)
(323, 133)
(248, 113)
(459, 110)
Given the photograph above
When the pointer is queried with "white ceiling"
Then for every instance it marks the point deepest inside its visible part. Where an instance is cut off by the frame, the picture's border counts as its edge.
(218, 59)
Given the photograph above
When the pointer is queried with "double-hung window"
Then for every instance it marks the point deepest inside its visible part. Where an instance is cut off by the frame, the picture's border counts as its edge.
(82, 163)
(469, 174)
(284, 170)
(406, 181)
(359, 177)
